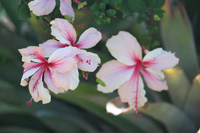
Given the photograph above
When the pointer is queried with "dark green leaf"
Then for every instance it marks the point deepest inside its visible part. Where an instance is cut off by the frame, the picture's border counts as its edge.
(137, 5)
(23, 11)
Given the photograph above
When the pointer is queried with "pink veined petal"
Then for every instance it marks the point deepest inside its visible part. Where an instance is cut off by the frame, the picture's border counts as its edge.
(154, 79)
(62, 60)
(63, 65)
(68, 80)
(89, 38)
(66, 8)
(125, 48)
(50, 46)
(160, 59)
(49, 82)
(114, 74)
(64, 53)
(42, 7)
(88, 61)
(31, 53)
(133, 92)
(36, 88)
(63, 31)
(29, 70)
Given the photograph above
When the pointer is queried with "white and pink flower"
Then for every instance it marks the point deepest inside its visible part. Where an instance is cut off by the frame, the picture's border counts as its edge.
(65, 33)
(60, 72)
(124, 73)
(45, 7)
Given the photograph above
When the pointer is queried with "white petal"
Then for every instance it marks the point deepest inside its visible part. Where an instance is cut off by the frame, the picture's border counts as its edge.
(133, 92)
(114, 74)
(66, 81)
(89, 38)
(88, 61)
(116, 107)
(154, 79)
(66, 8)
(66, 52)
(29, 70)
(49, 82)
(50, 46)
(125, 48)
(160, 59)
(37, 90)
(31, 53)
(63, 31)
(42, 7)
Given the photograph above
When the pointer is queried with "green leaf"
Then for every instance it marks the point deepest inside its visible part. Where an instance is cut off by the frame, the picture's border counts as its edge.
(23, 11)
(111, 12)
(178, 86)
(174, 120)
(137, 5)
(112, 2)
(192, 104)
(101, 82)
(154, 3)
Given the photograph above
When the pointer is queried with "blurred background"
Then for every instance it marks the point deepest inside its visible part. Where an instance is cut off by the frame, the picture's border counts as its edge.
(84, 110)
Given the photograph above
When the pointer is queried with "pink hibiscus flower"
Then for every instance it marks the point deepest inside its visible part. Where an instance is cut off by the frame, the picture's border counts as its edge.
(66, 34)
(124, 73)
(45, 7)
(60, 72)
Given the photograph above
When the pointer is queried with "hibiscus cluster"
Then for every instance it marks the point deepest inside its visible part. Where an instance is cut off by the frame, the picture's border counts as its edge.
(59, 60)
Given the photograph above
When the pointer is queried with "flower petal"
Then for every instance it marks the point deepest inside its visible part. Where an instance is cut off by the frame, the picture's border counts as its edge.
(62, 60)
(37, 90)
(63, 31)
(125, 48)
(116, 107)
(29, 70)
(42, 7)
(66, 8)
(49, 82)
(114, 74)
(31, 53)
(68, 80)
(160, 59)
(89, 38)
(154, 79)
(133, 92)
(50, 46)
(88, 61)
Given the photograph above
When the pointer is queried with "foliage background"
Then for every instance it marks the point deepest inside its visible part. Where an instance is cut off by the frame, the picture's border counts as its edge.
(83, 110)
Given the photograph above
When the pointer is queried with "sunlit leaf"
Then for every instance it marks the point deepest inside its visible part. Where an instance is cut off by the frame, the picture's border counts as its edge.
(192, 105)
(178, 85)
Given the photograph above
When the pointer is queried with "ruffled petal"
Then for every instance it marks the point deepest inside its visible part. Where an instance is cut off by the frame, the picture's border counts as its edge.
(88, 61)
(29, 70)
(160, 59)
(42, 7)
(89, 38)
(133, 92)
(68, 80)
(125, 48)
(49, 82)
(50, 46)
(66, 8)
(37, 90)
(114, 74)
(31, 53)
(63, 31)
(154, 79)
